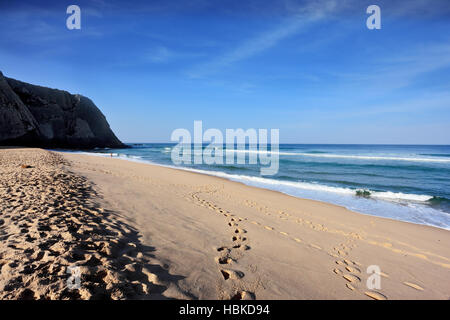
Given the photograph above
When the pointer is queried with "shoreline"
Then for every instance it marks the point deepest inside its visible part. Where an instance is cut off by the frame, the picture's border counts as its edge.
(194, 236)
(214, 174)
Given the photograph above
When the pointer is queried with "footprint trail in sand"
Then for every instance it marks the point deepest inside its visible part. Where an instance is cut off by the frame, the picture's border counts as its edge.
(230, 254)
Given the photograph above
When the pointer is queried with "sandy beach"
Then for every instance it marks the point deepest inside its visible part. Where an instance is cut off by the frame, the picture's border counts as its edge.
(140, 231)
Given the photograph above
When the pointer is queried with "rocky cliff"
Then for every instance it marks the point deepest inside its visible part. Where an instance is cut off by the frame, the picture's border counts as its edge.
(36, 116)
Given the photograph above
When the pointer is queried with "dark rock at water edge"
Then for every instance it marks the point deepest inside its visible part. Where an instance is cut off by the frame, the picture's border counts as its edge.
(37, 116)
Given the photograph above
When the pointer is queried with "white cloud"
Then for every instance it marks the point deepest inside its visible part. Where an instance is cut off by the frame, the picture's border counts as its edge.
(401, 69)
(158, 54)
(301, 18)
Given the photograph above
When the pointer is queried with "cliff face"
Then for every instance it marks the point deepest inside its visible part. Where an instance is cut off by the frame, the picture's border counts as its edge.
(42, 117)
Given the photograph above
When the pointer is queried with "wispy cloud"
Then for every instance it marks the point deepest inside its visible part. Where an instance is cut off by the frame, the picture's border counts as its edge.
(35, 25)
(158, 54)
(162, 54)
(400, 69)
(417, 8)
(425, 103)
(301, 18)
(153, 55)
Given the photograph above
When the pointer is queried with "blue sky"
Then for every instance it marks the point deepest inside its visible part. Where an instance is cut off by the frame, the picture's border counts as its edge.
(309, 68)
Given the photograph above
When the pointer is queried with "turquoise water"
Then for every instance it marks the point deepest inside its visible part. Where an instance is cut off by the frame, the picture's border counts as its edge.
(403, 182)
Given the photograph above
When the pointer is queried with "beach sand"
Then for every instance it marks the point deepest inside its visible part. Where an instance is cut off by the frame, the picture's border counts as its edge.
(140, 231)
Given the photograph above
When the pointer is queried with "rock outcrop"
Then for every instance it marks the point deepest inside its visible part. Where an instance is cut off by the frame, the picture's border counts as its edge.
(36, 116)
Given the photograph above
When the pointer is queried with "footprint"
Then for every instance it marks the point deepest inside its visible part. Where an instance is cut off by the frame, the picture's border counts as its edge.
(225, 274)
(375, 295)
(412, 285)
(243, 295)
(237, 238)
(352, 269)
(351, 278)
(231, 274)
(223, 260)
(348, 285)
(337, 271)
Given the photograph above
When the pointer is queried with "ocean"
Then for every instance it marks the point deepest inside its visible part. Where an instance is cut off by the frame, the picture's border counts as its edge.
(403, 182)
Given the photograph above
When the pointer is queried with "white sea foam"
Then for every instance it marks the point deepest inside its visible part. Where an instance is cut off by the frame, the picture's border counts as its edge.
(401, 196)
(395, 196)
(343, 156)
